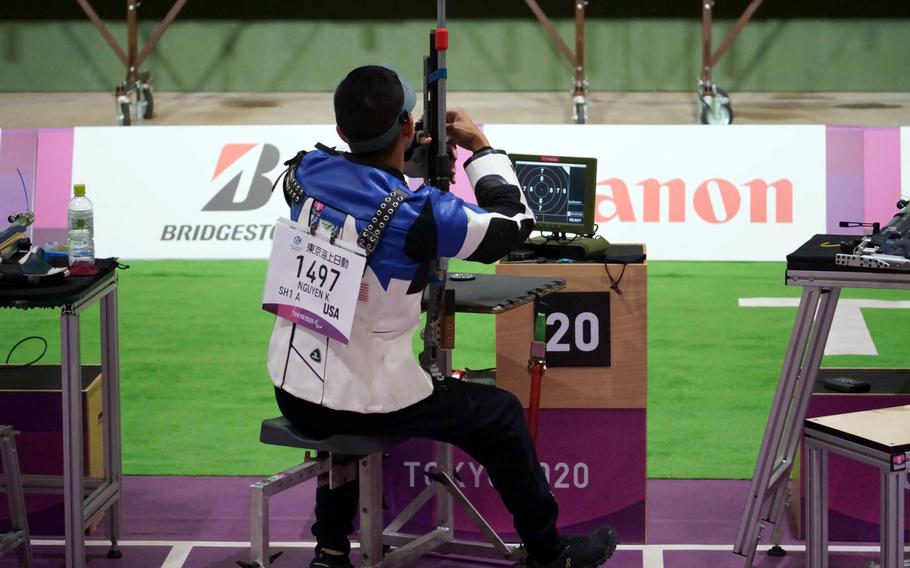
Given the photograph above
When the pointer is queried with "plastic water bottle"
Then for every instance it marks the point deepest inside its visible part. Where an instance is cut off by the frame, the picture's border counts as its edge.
(80, 227)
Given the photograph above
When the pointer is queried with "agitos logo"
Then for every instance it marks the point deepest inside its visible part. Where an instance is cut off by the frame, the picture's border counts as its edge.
(229, 197)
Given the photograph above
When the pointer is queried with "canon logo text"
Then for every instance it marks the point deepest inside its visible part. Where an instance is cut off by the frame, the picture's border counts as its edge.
(714, 201)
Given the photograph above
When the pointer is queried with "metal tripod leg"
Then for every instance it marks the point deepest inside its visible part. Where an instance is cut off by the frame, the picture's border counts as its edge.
(782, 433)
(443, 479)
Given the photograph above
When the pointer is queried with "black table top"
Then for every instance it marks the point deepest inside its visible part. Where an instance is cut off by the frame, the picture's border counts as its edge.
(493, 294)
(817, 255)
(71, 290)
(881, 381)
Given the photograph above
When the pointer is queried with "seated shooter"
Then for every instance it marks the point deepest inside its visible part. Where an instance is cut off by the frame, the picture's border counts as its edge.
(374, 385)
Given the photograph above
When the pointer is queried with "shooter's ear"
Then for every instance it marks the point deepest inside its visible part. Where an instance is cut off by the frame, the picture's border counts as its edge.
(407, 129)
(340, 133)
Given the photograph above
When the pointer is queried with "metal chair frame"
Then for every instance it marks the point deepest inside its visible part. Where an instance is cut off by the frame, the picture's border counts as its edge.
(339, 462)
(18, 536)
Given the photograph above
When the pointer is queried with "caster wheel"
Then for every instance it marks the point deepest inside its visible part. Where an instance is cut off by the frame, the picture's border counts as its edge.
(579, 110)
(114, 553)
(715, 107)
(776, 551)
(146, 101)
(123, 111)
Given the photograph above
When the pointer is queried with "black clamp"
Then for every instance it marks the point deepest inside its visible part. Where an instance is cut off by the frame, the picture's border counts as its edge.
(293, 191)
(369, 237)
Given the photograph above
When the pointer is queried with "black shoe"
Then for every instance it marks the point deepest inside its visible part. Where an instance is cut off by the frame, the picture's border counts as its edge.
(582, 551)
(605, 537)
(324, 560)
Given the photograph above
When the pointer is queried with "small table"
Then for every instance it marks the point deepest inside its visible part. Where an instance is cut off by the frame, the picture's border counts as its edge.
(74, 296)
(880, 438)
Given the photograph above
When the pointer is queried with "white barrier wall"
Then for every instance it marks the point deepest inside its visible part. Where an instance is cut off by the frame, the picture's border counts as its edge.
(688, 192)
(187, 192)
(695, 192)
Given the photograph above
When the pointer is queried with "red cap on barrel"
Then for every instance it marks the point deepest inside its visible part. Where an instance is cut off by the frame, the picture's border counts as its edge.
(442, 39)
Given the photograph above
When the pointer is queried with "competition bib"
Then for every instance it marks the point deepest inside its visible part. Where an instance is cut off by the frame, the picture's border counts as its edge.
(312, 282)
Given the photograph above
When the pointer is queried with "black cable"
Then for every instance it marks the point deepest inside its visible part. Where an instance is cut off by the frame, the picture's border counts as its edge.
(614, 283)
(30, 363)
(28, 207)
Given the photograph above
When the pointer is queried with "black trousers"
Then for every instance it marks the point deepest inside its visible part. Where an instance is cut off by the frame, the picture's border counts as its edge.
(485, 422)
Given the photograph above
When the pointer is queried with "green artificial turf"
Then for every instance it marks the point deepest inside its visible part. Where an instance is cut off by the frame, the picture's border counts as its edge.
(194, 386)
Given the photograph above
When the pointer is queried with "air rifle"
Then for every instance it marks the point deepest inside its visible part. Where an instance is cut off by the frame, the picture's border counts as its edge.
(11, 238)
(887, 248)
(439, 332)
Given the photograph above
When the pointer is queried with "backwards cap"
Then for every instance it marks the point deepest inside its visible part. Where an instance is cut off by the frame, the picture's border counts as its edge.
(409, 100)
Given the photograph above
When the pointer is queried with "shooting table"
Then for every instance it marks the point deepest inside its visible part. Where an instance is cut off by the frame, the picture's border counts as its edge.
(812, 266)
(585, 401)
(73, 297)
(880, 438)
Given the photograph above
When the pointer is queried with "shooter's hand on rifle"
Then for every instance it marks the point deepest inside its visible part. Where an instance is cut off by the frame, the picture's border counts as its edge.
(416, 165)
(462, 130)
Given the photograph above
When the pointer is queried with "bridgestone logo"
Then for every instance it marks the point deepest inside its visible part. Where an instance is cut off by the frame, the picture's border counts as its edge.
(240, 232)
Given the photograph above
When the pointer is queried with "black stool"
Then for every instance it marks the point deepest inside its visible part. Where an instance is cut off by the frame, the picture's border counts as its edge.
(337, 466)
(18, 535)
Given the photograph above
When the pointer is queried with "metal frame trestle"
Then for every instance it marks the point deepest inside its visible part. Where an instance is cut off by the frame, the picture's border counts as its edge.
(334, 470)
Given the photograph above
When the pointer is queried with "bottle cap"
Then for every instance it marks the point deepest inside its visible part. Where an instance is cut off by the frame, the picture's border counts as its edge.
(79, 190)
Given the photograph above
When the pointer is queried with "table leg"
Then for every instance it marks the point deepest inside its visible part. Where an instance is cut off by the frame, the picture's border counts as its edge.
(780, 422)
(371, 509)
(110, 372)
(817, 513)
(892, 519)
(72, 438)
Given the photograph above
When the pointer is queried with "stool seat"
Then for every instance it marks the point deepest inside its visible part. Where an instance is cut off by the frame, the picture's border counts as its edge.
(280, 432)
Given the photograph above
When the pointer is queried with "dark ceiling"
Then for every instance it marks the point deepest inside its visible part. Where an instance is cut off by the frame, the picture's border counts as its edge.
(426, 9)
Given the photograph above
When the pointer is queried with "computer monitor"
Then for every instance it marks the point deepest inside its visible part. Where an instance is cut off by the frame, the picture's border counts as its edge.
(560, 190)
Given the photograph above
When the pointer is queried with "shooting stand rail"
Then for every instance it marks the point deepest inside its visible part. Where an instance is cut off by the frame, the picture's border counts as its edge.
(576, 58)
(714, 106)
(138, 85)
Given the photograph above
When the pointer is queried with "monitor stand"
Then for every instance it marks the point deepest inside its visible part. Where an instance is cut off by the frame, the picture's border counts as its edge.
(558, 246)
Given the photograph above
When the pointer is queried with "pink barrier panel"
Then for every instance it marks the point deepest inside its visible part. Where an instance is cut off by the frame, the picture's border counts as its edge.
(54, 183)
(844, 152)
(18, 163)
(882, 173)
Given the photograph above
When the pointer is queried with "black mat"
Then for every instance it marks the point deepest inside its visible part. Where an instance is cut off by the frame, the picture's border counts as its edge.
(614, 254)
(74, 288)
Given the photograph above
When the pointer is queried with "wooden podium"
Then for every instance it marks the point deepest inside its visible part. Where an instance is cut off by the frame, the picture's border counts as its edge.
(624, 384)
(595, 416)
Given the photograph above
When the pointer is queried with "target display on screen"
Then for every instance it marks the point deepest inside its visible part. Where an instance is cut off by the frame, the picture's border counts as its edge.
(559, 190)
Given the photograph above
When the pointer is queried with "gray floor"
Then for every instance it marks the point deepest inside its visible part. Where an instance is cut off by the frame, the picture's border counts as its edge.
(40, 110)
